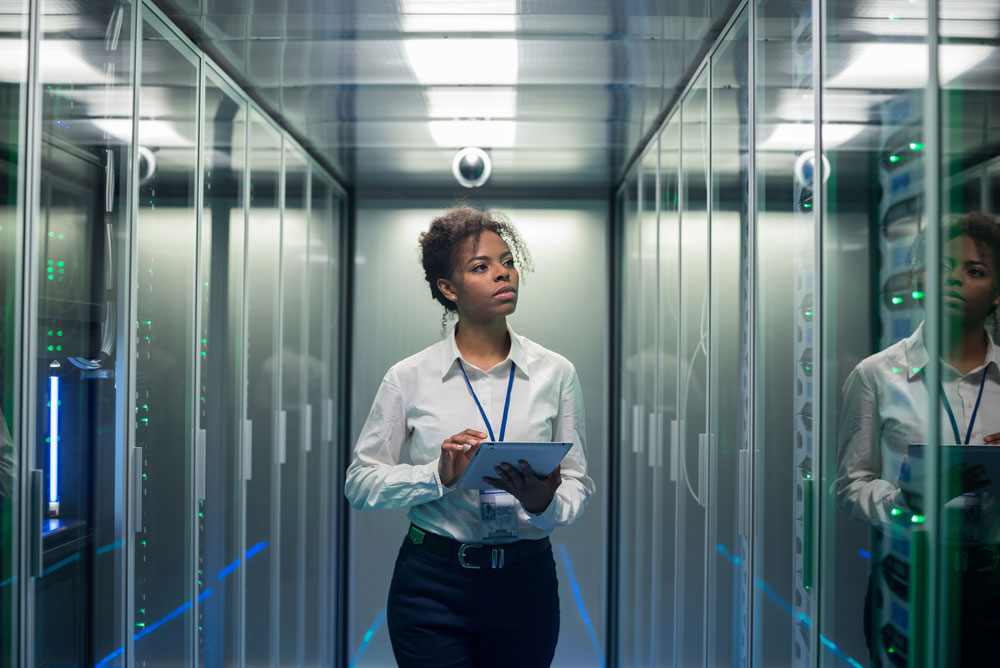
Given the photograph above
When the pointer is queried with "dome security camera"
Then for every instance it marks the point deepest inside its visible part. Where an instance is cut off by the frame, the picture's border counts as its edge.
(472, 167)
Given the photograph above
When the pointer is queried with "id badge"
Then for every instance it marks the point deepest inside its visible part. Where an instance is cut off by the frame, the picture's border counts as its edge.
(497, 514)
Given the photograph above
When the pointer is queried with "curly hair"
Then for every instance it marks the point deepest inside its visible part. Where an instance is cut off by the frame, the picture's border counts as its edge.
(439, 246)
(983, 229)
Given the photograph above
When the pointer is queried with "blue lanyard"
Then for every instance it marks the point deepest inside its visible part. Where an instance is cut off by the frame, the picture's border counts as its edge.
(951, 414)
(506, 406)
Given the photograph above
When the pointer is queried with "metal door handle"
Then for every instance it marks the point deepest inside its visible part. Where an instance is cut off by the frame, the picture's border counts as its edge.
(36, 483)
(675, 438)
(282, 435)
(137, 489)
(307, 436)
(328, 423)
(247, 449)
(199, 459)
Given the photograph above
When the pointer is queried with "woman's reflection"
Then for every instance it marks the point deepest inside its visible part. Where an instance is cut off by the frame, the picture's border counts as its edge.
(885, 419)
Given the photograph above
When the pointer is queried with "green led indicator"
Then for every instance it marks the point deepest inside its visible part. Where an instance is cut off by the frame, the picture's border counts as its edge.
(51, 261)
(918, 519)
(206, 284)
(199, 628)
(916, 369)
(52, 234)
(51, 348)
(917, 294)
(59, 333)
(62, 271)
(892, 650)
(895, 369)
(50, 332)
(140, 624)
(50, 270)
(143, 477)
(62, 264)
(62, 236)
(144, 420)
(895, 511)
(143, 542)
(51, 277)
(916, 146)
(145, 407)
(58, 347)
(203, 353)
(201, 514)
(893, 158)
(142, 610)
(893, 18)
(204, 340)
(809, 314)
(809, 367)
(897, 300)
(809, 476)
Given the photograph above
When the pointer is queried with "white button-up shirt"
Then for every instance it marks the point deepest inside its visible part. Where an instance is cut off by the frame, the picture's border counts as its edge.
(885, 410)
(424, 399)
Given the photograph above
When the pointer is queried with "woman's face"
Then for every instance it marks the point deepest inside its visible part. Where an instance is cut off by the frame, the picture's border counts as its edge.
(484, 283)
(971, 285)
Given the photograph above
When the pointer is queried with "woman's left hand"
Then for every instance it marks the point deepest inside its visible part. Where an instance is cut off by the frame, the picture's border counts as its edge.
(534, 493)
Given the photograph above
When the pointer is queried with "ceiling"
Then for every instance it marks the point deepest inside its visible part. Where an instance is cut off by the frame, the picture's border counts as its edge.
(560, 92)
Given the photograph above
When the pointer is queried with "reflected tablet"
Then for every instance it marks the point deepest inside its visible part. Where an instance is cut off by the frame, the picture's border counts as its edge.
(542, 457)
(987, 456)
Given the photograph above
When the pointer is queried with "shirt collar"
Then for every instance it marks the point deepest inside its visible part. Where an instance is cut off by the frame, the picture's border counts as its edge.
(917, 357)
(451, 354)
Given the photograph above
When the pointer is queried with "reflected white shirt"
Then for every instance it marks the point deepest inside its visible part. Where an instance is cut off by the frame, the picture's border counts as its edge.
(424, 399)
(885, 410)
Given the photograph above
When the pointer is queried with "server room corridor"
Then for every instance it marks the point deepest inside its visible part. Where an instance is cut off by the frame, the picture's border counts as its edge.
(765, 233)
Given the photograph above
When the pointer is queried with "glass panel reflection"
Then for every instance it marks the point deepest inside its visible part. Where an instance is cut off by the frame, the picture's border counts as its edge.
(664, 492)
(295, 403)
(692, 488)
(166, 231)
(263, 377)
(223, 240)
(729, 354)
(85, 97)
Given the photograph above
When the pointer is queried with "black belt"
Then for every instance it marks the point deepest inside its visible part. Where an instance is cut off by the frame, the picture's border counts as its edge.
(476, 555)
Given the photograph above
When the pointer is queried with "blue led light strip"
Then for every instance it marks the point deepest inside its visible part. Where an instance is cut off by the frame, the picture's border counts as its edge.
(579, 603)
(201, 598)
(369, 634)
(53, 439)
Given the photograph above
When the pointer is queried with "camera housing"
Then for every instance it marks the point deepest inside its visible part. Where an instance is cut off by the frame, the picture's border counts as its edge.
(472, 167)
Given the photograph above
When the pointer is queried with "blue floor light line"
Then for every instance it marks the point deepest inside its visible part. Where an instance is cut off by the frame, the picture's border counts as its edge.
(579, 602)
(179, 610)
(59, 564)
(110, 546)
(802, 617)
(369, 634)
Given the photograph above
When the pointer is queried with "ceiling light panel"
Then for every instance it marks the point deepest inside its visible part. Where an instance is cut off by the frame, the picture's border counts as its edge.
(487, 134)
(471, 102)
(463, 61)
(903, 66)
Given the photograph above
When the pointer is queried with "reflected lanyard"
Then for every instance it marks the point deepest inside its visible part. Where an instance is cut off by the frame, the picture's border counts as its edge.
(951, 414)
(506, 406)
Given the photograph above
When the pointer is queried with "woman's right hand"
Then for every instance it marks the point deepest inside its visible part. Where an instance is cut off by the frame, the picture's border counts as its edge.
(456, 452)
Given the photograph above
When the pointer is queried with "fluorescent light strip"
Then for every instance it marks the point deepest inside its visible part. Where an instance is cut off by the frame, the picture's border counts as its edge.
(484, 134)
(53, 439)
(899, 66)
(449, 62)
(452, 23)
(458, 7)
(471, 102)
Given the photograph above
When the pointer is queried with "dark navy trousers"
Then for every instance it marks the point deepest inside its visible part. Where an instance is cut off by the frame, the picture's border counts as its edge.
(443, 615)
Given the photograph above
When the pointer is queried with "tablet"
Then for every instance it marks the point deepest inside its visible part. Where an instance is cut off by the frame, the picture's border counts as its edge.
(987, 456)
(542, 457)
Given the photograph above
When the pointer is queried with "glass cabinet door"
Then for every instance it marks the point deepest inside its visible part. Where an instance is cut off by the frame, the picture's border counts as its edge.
(664, 492)
(165, 398)
(295, 443)
(81, 273)
(263, 396)
(221, 378)
(320, 491)
(629, 605)
(692, 489)
(729, 391)
(12, 154)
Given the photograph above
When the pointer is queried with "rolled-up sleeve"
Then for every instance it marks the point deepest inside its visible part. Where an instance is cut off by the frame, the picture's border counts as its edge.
(859, 489)
(576, 488)
(375, 478)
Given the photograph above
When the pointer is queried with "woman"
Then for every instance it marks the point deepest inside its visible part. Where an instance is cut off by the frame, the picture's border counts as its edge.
(475, 581)
(885, 410)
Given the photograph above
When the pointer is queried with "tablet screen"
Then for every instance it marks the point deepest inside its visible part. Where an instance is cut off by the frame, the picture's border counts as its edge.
(542, 457)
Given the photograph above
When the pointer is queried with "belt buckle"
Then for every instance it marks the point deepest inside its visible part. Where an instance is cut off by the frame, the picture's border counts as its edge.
(461, 554)
(496, 556)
